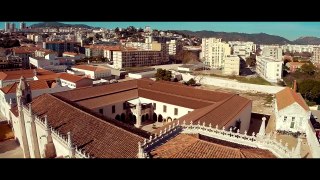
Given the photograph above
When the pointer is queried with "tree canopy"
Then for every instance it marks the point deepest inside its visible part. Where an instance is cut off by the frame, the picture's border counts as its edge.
(163, 74)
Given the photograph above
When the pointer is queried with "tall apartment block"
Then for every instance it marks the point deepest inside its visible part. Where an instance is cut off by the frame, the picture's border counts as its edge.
(214, 52)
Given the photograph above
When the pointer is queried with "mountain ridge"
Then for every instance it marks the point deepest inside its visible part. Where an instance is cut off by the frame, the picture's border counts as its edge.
(58, 24)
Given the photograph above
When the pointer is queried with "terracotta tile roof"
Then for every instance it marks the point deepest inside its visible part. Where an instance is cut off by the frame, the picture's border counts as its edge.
(90, 68)
(24, 50)
(182, 90)
(29, 73)
(287, 96)
(187, 146)
(101, 138)
(71, 77)
(97, 91)
(14, 111)
(34, 85)
(173, 99)
(109, 99)
(49, 76)
(9, 88)
(296, 63)
(221, 113)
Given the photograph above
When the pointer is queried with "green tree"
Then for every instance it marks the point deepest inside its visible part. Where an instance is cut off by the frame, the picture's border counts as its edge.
(191, 82)
(163, 74)
(309, 89)
(308, 68)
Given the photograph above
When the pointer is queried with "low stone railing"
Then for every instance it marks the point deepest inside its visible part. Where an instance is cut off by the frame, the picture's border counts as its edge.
(313, 141)
(257, 141)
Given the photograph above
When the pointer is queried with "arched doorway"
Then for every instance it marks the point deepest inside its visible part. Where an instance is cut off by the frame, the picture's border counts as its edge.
(123, 117)
(130, 117)
(160, 119)
(169, 119)
(143, 118)
(147, 117)
(155, 117)
(28, 98)
(118, 117)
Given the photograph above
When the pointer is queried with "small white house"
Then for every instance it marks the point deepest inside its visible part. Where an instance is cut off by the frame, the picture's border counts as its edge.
(73, 81)
(291, 111)
(93, 72)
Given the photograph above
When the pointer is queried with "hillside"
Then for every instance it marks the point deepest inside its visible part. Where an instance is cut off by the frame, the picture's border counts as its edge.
(260, 38)
(307, 40)
(57, 24)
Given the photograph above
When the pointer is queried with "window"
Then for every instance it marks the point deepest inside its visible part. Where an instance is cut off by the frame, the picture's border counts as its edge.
(176, 111)
(113, 109)
(292, 122)
(154, 106)
(101, 111)
(164, 108)
(285, 119)
(301, 119)
(124, 105)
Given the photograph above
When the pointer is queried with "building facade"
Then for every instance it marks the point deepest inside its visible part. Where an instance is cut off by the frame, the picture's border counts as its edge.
(231, 65)
(291, 111)
(275, 52)
(316, 56)
(214, 52)
(60, 46)
(269, 68)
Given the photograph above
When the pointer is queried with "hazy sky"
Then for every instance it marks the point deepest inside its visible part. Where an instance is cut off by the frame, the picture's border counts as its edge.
(289, 30)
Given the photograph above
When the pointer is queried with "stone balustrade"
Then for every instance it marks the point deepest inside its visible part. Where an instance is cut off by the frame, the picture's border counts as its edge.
(262, 141)
(62, 139)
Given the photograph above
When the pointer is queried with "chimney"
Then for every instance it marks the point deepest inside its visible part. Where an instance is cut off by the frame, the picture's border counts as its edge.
(295, 85)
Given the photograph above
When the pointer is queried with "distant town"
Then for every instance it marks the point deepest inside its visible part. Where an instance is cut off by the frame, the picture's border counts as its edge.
(75, 91)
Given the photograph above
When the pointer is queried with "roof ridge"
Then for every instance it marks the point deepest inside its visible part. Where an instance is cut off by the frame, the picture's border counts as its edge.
(12, 85)
(197, 99)
(74, 107)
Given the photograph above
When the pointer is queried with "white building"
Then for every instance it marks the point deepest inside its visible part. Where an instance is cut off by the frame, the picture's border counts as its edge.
(62, 124)
(37, 87)
(76, 56)
(129, 57)
(10, 77)
(52, 62)
(291, 111)
(275, 52)
(73, 81)
(269, 68)
(93, 72)
(231, 65)
(139, 75)
(214, 52)
(172, 45)
(316, 55)
(243, 49)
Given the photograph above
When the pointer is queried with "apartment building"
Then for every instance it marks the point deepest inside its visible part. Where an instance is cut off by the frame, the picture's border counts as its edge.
(243, 49)
(316, 55)
(269, 68)
(60, 46)
(214, 52)
(133, 58)
(231, 65)
(275, 52)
